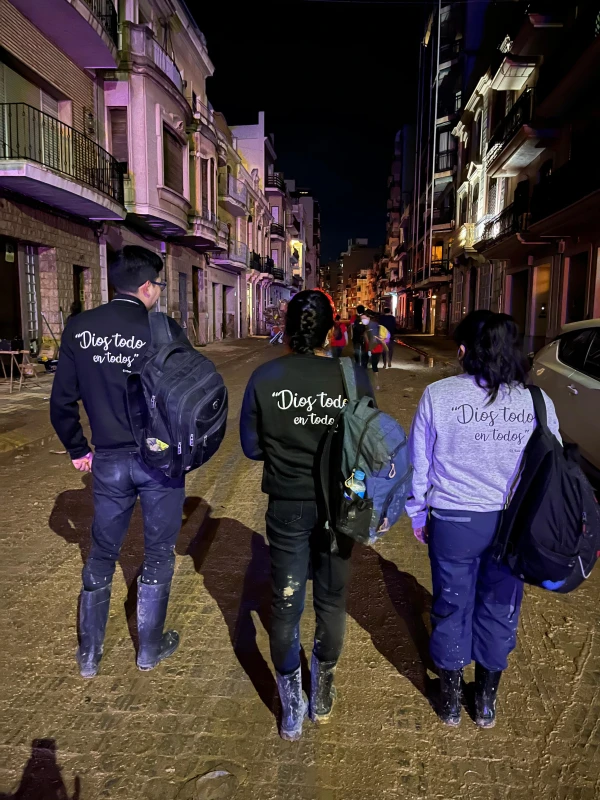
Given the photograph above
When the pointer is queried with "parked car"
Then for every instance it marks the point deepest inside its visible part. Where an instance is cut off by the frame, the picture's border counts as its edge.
(568, 369)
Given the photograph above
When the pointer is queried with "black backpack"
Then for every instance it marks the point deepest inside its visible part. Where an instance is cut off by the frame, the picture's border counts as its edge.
(358, 331)
(550, 532)
(177, 403)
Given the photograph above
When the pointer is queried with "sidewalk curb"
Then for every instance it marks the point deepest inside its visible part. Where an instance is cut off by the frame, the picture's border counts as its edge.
(14, 443)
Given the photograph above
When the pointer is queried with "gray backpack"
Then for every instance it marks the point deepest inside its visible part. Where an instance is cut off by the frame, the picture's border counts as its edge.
(364, 438)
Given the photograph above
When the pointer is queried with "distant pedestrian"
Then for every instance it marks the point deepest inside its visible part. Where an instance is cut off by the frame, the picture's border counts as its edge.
(358, 337)
(388, 320)
(289, 405)
(375, 342)
(339, 338)
(466, 444)
(99, 349)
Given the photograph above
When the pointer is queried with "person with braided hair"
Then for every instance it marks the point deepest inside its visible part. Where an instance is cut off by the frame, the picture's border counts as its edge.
(289, 405)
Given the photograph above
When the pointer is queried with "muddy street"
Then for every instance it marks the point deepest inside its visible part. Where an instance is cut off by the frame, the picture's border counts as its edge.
(129, 735)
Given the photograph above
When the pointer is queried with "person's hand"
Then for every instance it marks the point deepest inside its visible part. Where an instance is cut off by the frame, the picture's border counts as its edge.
(84, 464)
(421, 534)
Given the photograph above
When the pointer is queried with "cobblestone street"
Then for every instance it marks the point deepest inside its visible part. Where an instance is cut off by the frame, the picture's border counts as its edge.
(129, 735)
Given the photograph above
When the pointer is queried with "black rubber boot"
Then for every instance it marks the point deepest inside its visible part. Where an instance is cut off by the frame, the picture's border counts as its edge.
(294, 705)
(93, 615)
(450, 696)
(486, 691)
(322, 690)
(152, 601)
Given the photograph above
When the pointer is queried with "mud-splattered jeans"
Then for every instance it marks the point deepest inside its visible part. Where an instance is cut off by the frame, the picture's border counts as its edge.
(476, 602)
(118, 479)
(297, 541)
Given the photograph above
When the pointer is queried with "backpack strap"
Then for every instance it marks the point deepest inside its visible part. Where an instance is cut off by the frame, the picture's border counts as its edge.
(539, 406)
(160, 330)
(349, 379)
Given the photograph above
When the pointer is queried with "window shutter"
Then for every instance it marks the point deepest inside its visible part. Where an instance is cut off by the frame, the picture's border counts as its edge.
(19, 90)
(49, 105)
(492, 194)
(118, 134)
(173, 161)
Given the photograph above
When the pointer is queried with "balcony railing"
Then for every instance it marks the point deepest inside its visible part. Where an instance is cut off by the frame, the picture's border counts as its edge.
(277, 273)
(519, 115)
(509, 221)
(442, 216)
(231, 187)
(27, 133)
(205, 112)
(236, 252)
(104, 11)
(446, 160)
(449, 50)
(276, 182)
(138, 40)
(567, 184)
(277, 229)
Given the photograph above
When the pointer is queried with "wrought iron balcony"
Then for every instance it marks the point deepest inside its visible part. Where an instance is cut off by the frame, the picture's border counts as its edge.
(276, 181)
(28, 134)
(138, 42)
(233, 195)
(449, 50)
(105, 11)
(510, 220)
(236, 253)
(277, 273)
(519, 115)
(277, 229)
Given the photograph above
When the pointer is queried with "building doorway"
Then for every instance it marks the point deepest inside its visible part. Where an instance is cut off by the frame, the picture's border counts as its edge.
(217, 311)
(78, 302)
(229, 312)
(576, 288)
(519, 289)
(183, 299)
(10, 297)
(199, 305)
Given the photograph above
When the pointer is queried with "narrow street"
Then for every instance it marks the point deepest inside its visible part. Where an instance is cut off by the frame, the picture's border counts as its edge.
(137, 736)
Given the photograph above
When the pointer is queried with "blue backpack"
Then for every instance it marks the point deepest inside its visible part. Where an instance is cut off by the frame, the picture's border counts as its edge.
(364, 438)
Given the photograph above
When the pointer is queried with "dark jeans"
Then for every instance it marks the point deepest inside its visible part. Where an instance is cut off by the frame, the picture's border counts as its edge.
(337, 352)
(297, 540)
(375, 362)
(388, 354)
(118, 479)
(476, 602)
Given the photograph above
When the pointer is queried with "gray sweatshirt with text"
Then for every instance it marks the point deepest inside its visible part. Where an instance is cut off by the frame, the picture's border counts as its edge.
(466, 454)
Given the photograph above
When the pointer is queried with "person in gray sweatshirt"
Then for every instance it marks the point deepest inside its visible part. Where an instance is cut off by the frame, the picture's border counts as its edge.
(466, 443)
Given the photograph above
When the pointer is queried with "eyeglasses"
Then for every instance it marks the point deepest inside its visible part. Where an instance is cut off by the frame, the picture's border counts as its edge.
(162, 284)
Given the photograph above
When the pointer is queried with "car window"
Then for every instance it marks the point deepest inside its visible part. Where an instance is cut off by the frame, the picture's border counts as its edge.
(592, 361)
(573, 348)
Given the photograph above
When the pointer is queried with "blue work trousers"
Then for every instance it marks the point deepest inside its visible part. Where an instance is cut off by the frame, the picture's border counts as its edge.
(476, 602)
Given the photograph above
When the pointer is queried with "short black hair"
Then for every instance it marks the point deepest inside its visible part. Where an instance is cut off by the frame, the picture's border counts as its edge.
(360, 309)
(387, 310)
(132, 267)
(337, 318)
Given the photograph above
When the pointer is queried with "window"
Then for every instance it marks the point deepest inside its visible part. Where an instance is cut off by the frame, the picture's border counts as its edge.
(475, 203)
(275, 214)
(592, 362)
(462, 210)
(573, 348)
(476, 141)
(173, 161)
(457, 101)
(492, 195)
(118, 135)
(485, 286)
(275, 257)
(204, 187)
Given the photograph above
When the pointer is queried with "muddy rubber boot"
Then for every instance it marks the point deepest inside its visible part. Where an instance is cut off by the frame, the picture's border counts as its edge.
(155, 646)
(450, 696)
(322, 690)
(294, 705)
(486, 691)
(93, 615)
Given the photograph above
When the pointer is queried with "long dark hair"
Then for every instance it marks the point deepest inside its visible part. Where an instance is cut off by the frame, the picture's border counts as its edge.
(492, 352)
(308, 320)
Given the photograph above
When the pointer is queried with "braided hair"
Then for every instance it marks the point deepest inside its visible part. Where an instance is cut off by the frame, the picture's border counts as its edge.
(308, 321)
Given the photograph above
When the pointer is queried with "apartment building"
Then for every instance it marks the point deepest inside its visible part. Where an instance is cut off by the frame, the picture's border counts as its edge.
(449, 47)
(309, 210)
(331, 279)
(529, 232)
(357, 271)
(59, 184)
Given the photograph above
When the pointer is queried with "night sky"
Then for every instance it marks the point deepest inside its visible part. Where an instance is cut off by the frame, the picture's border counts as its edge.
(336, 80)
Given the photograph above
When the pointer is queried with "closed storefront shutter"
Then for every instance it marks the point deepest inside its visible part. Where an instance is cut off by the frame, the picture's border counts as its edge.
(173, 161)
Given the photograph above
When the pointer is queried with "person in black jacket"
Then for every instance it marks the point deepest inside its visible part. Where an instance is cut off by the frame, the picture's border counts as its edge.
(289, 405)
(99, 349)
(388, 320)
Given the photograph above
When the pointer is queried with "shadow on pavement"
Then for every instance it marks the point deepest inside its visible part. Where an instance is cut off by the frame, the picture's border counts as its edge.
(390, 606)
(42, 778)
(234, 562)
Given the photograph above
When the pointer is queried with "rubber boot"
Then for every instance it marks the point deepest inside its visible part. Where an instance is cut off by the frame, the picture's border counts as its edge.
(93, 615)
(486, 691)
(152, 601)
(322, 690)
(450, 696)
(294, 705)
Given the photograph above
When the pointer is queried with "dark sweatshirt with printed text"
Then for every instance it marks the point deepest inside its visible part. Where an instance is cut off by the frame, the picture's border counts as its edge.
(98, 350)
(289, 405)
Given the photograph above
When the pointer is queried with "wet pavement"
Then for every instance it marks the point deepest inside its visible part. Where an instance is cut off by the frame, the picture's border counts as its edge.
(202, 724)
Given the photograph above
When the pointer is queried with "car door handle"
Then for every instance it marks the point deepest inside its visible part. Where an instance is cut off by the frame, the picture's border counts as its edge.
(572, 389)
